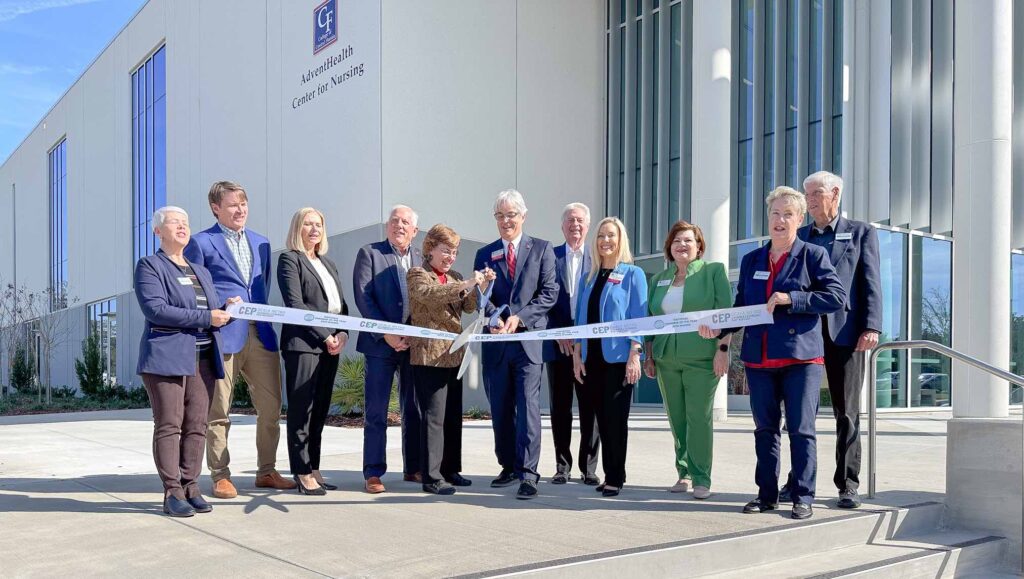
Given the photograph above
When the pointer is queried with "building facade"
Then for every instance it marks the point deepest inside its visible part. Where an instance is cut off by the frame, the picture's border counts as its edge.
(651, 110)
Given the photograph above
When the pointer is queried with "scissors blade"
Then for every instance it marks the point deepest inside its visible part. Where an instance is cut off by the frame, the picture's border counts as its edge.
(463, 338)
(467, 360)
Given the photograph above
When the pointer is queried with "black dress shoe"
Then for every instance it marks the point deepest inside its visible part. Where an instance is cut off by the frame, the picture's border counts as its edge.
(199, 504)
(560, 479)
(591, 480)
(507, 478)
(610, 492)
(439, 488)
(848, 500)
(176, 507)
(785, 494)
(802, 511)
(599, 488)
(758, 506)
(328, 486)
(303, 490)
(458, 480)
(527, 490)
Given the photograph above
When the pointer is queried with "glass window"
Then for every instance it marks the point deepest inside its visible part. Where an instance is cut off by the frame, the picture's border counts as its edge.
(891, 377)
(102, 317)
(931, 319)
(792, 61)
(1016, 323)
(745, 190)
(58, 173)
(769, 66)
(838, 80)
(149, 150)
(814, 58)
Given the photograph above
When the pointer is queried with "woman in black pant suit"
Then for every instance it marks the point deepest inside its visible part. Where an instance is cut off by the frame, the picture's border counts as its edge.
(309, 281)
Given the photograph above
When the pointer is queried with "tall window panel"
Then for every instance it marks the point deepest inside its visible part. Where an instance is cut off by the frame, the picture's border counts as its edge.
(102, 324)
(149, 150)
(921, 110)
(789, 103)
(1017, 136)
(58, 173)
(1016, 322)
(931, 307)
(649, 69)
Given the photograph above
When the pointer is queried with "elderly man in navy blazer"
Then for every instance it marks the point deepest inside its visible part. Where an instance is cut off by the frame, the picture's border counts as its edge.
(523, 292)
(852, 247)
(572, 263)
(379, 283)
(239, 261)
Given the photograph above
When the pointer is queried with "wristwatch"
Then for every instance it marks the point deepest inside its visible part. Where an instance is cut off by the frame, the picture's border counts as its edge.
(723, 347)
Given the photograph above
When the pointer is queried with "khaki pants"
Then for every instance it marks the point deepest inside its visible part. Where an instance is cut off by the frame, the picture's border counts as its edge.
(262, 371)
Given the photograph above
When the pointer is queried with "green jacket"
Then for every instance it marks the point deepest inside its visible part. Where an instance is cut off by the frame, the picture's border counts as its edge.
(707, 288)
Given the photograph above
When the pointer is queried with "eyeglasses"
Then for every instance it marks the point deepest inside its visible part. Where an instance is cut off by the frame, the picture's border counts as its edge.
(449, 254)
(503, 216)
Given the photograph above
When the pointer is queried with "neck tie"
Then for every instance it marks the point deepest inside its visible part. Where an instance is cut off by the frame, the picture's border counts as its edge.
(511, 260)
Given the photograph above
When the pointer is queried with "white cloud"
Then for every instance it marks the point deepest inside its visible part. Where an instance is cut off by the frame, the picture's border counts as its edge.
(11, 68)
(11, 9)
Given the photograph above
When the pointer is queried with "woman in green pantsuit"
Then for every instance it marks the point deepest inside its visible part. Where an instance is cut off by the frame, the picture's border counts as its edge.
(687, 366)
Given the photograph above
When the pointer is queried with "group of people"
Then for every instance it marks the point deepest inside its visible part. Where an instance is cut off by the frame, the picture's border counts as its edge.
(819, 281)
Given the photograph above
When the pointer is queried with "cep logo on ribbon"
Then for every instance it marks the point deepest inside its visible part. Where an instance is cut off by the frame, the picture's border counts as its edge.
(720, 318)
(325, 25)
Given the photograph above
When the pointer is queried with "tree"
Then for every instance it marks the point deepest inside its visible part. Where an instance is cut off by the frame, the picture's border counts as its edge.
(50, 327)
(89, 368)
(13, 329)
(22, 370)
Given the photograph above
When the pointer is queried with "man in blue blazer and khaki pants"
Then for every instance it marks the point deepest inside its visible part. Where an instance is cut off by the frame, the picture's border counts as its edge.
(522, 293)
(239, 262)
(848, 333)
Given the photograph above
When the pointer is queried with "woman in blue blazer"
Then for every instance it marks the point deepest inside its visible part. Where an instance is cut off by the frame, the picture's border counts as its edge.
(615, 290)
(784, 360)
(179, 358)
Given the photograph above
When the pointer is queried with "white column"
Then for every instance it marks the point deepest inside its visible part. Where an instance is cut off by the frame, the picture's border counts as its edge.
(712, 110)
(981, 188)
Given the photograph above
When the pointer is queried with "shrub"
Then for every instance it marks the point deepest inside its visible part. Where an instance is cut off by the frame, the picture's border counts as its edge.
(89, 369)
(241, 398)
(349, 394)
(22, 370)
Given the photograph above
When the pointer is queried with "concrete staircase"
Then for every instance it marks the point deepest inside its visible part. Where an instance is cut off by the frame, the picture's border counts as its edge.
(905, 542)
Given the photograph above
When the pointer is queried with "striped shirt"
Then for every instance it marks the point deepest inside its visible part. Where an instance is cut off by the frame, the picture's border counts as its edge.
(239, 246)
(404, 265)
(203, 337)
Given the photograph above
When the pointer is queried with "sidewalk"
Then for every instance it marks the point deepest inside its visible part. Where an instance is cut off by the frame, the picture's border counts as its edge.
(79, 495)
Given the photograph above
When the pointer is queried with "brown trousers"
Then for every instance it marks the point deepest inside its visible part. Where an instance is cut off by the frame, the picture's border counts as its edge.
(262, 371)
(180, 406)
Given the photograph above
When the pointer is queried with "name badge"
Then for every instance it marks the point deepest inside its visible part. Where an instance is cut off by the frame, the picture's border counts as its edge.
(664, 282)
(616, 277)
(762, 275)
(185, 280)
(498, 255)
(844, 236)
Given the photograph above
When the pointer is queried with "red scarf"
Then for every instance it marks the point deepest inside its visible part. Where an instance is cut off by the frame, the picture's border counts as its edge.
(441, 277)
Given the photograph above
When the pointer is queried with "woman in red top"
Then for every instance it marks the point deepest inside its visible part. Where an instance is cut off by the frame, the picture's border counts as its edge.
(784, 360)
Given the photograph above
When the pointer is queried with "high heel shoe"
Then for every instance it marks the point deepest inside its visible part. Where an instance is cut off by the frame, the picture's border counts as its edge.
(303, 490)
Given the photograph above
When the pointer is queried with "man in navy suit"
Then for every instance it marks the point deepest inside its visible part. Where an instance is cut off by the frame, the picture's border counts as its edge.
(572, 263)
(853, 251)
(379, 283)
(522, 294)
(239, 262)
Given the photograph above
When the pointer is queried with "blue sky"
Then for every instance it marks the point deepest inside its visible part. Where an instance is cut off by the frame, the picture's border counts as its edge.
(45, 45)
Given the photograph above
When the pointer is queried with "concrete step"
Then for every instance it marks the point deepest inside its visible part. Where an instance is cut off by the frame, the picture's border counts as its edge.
(770, 548)
(935, 555)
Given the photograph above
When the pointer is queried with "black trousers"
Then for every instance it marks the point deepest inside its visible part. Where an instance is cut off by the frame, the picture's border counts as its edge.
(561, 384)
(439, 397)
(309, 381)
(844, 368)
(614, 403)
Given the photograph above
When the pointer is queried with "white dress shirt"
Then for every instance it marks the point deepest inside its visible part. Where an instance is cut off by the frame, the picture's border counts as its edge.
(573, 265)
(333, 296)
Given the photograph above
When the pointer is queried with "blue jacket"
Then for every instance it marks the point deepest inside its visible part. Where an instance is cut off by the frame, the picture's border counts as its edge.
(168, 345)
(209, 250)
(857, 264)
(626, 300)
(811, 282)
(378, 293)
(531, 295)
(560, 316)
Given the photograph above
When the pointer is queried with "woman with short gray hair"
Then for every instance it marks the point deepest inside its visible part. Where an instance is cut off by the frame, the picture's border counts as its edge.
(179, 358)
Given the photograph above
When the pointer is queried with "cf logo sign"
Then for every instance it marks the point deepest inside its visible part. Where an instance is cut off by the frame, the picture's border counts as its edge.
(325, 19)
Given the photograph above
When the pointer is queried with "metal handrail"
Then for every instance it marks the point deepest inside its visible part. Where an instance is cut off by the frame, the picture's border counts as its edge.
(873, 396)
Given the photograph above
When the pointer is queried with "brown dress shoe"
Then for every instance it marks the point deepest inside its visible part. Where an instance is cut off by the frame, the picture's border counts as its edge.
(413, 477)
(223, 489)
(374, 486)
(274, 480)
